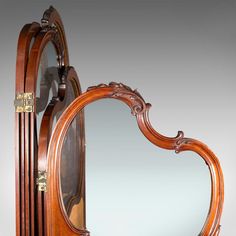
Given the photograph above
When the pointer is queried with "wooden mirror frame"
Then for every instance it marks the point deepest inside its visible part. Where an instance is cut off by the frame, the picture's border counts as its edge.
(56, 105)
(27, 34)
(40, 213)
(57, 221)
(30, 151)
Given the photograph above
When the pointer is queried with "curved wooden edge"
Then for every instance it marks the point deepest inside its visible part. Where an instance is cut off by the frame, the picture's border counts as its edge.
(212, 223)
(52, 29)
(57, 220)
(35, 55)
(80, 196)
(28, 32)
(52, 19)
(56, 105)
(31, 142)
(54, 32)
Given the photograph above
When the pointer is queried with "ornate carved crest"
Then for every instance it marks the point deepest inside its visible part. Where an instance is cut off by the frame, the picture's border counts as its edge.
(46, 16)
(122, 91)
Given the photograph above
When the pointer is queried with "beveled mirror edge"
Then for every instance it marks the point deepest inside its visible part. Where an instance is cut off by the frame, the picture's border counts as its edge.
(140, 109)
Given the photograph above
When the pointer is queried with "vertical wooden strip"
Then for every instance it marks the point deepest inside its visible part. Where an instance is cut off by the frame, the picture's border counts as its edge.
(44, 214)
(26, 35)
(22, 176)
(27, 173)
(17, 172)
(33, 150)
(39, 214)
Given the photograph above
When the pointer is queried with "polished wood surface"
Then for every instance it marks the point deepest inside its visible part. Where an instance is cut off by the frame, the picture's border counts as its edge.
(56, 217)
(54, 110)
(27, 35)
(31, 149)
(45, 213)
(30, 119)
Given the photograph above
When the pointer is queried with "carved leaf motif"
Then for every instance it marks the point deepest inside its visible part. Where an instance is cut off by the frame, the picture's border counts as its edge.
(123, 91)
(139, 108)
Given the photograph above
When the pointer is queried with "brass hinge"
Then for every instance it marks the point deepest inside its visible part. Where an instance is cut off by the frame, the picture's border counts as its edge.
(41, 181)
(24, 102)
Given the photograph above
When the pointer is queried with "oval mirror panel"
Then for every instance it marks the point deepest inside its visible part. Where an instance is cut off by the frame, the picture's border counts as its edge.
(136, 188)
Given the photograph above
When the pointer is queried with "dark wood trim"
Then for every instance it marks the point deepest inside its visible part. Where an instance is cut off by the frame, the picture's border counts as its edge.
(49, 32)
(40, 213)
(30, 119)
(27, 34)
(56, 217)
(52, 19)
(58, 105)
(28, 57)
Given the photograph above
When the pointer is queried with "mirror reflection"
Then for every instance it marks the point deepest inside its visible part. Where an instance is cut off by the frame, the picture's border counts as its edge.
(136, 188)
(71, 168)
(47, 81)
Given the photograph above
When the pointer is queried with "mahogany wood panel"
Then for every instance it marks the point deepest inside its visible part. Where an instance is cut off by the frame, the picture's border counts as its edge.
(32, 40)
(56, 105)
(30, 121)
(39, 213)
(51, 31)
(27, 34)
(57, 221)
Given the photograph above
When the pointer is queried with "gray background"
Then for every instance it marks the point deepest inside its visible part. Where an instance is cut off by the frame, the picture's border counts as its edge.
(180, 54)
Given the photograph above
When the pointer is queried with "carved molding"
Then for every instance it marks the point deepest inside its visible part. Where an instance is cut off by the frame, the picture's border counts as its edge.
(51, 30)
(140, 109)
(45, 21)
(122, 91)
(118, 86)
(51, 21)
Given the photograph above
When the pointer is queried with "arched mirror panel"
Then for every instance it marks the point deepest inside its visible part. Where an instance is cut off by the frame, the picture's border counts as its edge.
(134, 180)
(45, 86)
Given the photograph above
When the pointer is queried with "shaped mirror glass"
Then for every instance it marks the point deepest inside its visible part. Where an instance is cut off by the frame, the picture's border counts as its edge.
(72, 167)
(48, 80)
(136, 188)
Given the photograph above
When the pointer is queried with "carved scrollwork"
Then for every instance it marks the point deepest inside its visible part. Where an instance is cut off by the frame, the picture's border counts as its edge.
(47, 25)
(181, 141)
(140, 109)
(46, 16)
(51, 22)
(124, 92)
